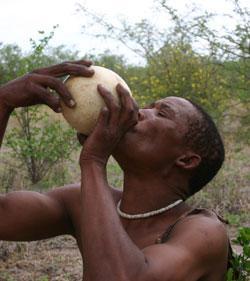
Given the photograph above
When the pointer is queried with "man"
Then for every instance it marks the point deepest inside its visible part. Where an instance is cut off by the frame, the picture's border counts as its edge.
(167, 151)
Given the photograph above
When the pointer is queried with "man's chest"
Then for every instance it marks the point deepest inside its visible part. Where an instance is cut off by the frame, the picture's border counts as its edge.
(144, 237)
(142, 233)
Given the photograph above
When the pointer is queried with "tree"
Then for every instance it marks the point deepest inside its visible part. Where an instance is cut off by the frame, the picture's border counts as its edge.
(38, 141)
(229, 49)
(216, 76)
(10, 62)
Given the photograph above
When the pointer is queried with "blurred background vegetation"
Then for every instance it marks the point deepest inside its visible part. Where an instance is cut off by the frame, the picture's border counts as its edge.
(40, 151)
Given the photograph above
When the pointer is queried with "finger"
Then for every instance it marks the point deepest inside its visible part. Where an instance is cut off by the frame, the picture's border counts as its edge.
(129, 107)
(81, 62)
(110, 102)
(81, 138)
(58, 86)
(67, 68)
(103, 118)
(123, 95)
(45, 97)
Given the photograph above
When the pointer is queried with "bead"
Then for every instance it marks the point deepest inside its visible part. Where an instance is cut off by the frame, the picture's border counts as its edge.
(148, 214)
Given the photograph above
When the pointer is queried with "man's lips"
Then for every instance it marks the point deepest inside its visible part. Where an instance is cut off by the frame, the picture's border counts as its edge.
(133, 129)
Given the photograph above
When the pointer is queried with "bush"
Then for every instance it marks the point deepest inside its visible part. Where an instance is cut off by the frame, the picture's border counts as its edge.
(240, 270)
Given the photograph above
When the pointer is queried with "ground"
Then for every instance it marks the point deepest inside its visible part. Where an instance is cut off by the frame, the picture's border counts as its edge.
(48, 260)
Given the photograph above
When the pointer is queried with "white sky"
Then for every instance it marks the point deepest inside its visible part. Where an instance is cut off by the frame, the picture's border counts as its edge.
(21, 19)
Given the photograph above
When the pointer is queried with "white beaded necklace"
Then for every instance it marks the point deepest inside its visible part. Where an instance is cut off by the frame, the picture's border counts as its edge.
(148, 214)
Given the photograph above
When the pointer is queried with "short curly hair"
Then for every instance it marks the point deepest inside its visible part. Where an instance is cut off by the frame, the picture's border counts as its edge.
(204, 139)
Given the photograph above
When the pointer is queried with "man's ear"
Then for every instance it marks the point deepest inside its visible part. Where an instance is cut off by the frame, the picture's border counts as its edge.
(188, 161)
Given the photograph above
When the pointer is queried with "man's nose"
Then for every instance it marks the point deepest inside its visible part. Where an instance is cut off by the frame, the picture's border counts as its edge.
(140, 115)
(143, 114)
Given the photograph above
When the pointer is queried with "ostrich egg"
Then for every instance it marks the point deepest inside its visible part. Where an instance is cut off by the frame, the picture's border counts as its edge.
(89, 103)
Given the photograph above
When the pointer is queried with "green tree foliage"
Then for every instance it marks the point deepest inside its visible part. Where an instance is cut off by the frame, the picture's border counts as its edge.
(176, 70)
(10, 62)
(229, 49)
(188, 58)
(240, 270)
(108, 60)
(14, 62)
(38, 141)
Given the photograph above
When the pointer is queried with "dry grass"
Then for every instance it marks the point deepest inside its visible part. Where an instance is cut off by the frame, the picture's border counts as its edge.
(54, 259)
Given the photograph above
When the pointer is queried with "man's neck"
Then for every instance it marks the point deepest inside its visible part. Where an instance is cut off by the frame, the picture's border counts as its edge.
(148, 192)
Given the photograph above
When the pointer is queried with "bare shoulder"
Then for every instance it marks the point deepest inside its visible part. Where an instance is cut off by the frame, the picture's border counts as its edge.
(70, 195)
(66, 194)
(203, 221)
(206, 234)
(69, 198)
(196, 247)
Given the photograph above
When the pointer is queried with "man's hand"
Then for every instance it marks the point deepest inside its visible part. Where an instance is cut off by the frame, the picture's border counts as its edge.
(34, 88)
(113, 122)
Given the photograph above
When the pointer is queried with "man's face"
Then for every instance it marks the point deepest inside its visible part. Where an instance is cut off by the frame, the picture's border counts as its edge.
(157, 138)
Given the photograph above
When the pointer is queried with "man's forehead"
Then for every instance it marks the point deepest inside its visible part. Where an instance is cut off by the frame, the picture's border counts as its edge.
(177, 102)
(182, 107)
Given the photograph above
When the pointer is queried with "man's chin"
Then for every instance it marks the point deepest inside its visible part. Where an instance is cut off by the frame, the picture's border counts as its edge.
(127, 136)
(123, 143)
(133, 129)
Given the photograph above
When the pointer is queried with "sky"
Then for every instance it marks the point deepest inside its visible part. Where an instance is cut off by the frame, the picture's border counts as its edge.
(21, 20)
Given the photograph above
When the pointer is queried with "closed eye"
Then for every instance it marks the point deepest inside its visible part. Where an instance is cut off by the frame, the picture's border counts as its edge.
(163, 113)
(166, 111)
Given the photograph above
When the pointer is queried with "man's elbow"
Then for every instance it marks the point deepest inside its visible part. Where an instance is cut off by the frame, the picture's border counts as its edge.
(4, 218)
(10, 214)
(3, 204)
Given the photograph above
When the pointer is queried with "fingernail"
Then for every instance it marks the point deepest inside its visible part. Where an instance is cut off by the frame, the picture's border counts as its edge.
(72, 103)
(101, 88)
(89, 72)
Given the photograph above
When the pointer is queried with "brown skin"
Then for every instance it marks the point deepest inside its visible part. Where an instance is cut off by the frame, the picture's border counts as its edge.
(157, 165)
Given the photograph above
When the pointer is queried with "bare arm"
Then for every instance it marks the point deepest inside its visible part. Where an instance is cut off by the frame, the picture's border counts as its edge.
(113, 255)
(197, 247)
(4, 117)
(30, 215)
(26, 215)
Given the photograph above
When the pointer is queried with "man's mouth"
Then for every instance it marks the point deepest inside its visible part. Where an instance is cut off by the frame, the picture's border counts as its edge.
(133, 129)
